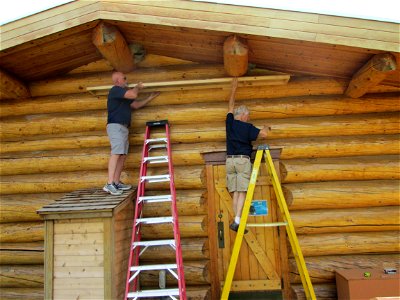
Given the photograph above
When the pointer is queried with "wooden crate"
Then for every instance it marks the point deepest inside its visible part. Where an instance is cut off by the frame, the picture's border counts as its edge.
(87, 238)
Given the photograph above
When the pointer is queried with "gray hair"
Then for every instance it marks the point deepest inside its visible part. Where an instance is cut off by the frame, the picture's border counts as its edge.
(242, 109)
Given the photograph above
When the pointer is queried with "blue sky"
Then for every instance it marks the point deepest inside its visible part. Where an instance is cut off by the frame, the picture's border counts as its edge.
(385, 10)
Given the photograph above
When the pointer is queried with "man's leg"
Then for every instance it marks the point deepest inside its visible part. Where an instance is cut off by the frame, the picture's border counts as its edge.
(112, 167)
(119, 167)
(239, 205)
(234, 201)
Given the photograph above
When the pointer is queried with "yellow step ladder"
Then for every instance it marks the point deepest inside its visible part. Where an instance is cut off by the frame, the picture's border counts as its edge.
(301, 265)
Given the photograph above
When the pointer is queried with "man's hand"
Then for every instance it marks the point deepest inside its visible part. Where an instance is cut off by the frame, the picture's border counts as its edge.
(152, 96)
(141, 103)
(264, 132)
(139, 86)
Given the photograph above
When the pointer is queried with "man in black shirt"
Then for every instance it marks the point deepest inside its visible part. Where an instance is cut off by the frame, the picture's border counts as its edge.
(120, 102)
(239, 136)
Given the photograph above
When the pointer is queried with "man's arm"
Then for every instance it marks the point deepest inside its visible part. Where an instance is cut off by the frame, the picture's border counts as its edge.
(232, 96)
(133, 93)
(138, 104)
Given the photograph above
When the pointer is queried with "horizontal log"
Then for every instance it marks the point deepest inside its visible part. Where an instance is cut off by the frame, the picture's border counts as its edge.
(22, 208)
(349, 243)
(346, 220)
(261, 109)
(190, 177)
(344, 168)
(189, 203)
(22, 253)
(192, 249)
(149, 61)
(323, 268)
(52, 104)
(77, 83)
(22, 293)
(189, 227)
(196, 272)
(21, 257)
(215, 132)
(27, 276)
(336, 146)
(341, 194)
(96, 159)
(21, 232)
(322, 291)
(191, 154)
(328, 104)
(281, 128)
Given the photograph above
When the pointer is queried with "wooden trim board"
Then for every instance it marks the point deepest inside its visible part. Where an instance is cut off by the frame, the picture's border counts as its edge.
(183, 85)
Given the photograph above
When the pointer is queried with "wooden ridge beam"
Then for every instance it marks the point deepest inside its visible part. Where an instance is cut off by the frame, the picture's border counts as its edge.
(113, 47)
(371, 74)
(11, 87)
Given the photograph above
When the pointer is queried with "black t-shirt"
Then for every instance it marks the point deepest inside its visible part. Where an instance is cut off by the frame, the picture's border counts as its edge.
(239, 136)
(119, 108)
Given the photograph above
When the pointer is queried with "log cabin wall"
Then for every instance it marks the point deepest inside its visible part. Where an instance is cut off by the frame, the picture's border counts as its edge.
(339, 167)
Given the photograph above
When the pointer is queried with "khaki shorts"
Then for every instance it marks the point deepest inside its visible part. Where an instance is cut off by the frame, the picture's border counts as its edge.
(238, 172)
(118, 135)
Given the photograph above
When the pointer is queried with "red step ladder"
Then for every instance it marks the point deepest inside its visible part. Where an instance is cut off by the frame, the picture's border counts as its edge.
(138, 246)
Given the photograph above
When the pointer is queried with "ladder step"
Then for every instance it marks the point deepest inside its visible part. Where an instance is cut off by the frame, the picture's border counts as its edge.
(156, 178)
(154, 293)
(153, 267)
(267, 224)
(155, 243)
(153, 199)
(155, 159)
(157, 146)
(149, 141)
(157, 220)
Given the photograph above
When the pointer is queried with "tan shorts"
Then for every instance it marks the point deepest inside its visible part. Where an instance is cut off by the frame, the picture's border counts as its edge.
(238, 172)
(119, 138)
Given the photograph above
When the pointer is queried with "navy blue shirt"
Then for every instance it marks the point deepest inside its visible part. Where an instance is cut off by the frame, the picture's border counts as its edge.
(239, 136)
(119, 108)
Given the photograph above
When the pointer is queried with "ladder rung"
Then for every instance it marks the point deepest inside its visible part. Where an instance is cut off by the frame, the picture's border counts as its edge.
(152, 199)
(267, 224)
(157, 146)
(157, 220)
(155, 243)
(154, 267)
(149, 141)
(154, 293)
(155, 159)
(156, 178)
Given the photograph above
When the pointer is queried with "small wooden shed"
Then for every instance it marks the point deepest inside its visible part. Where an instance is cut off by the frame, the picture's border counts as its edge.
(87, 236)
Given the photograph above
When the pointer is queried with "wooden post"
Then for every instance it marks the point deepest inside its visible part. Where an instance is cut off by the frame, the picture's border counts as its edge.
(11, 87)
(371, 74)
(236, 56)
(112, 45)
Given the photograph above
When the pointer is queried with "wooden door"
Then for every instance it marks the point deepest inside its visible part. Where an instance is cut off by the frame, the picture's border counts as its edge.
(259, 263)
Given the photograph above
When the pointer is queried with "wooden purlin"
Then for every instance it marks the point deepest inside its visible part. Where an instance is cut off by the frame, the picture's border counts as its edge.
(183, 85)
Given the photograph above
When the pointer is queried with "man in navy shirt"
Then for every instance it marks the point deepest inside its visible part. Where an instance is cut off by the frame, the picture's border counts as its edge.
(239, 136)
(120, 102)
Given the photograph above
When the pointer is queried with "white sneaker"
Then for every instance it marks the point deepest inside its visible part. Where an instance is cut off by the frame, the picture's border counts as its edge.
(122, 186)
(112, 189)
